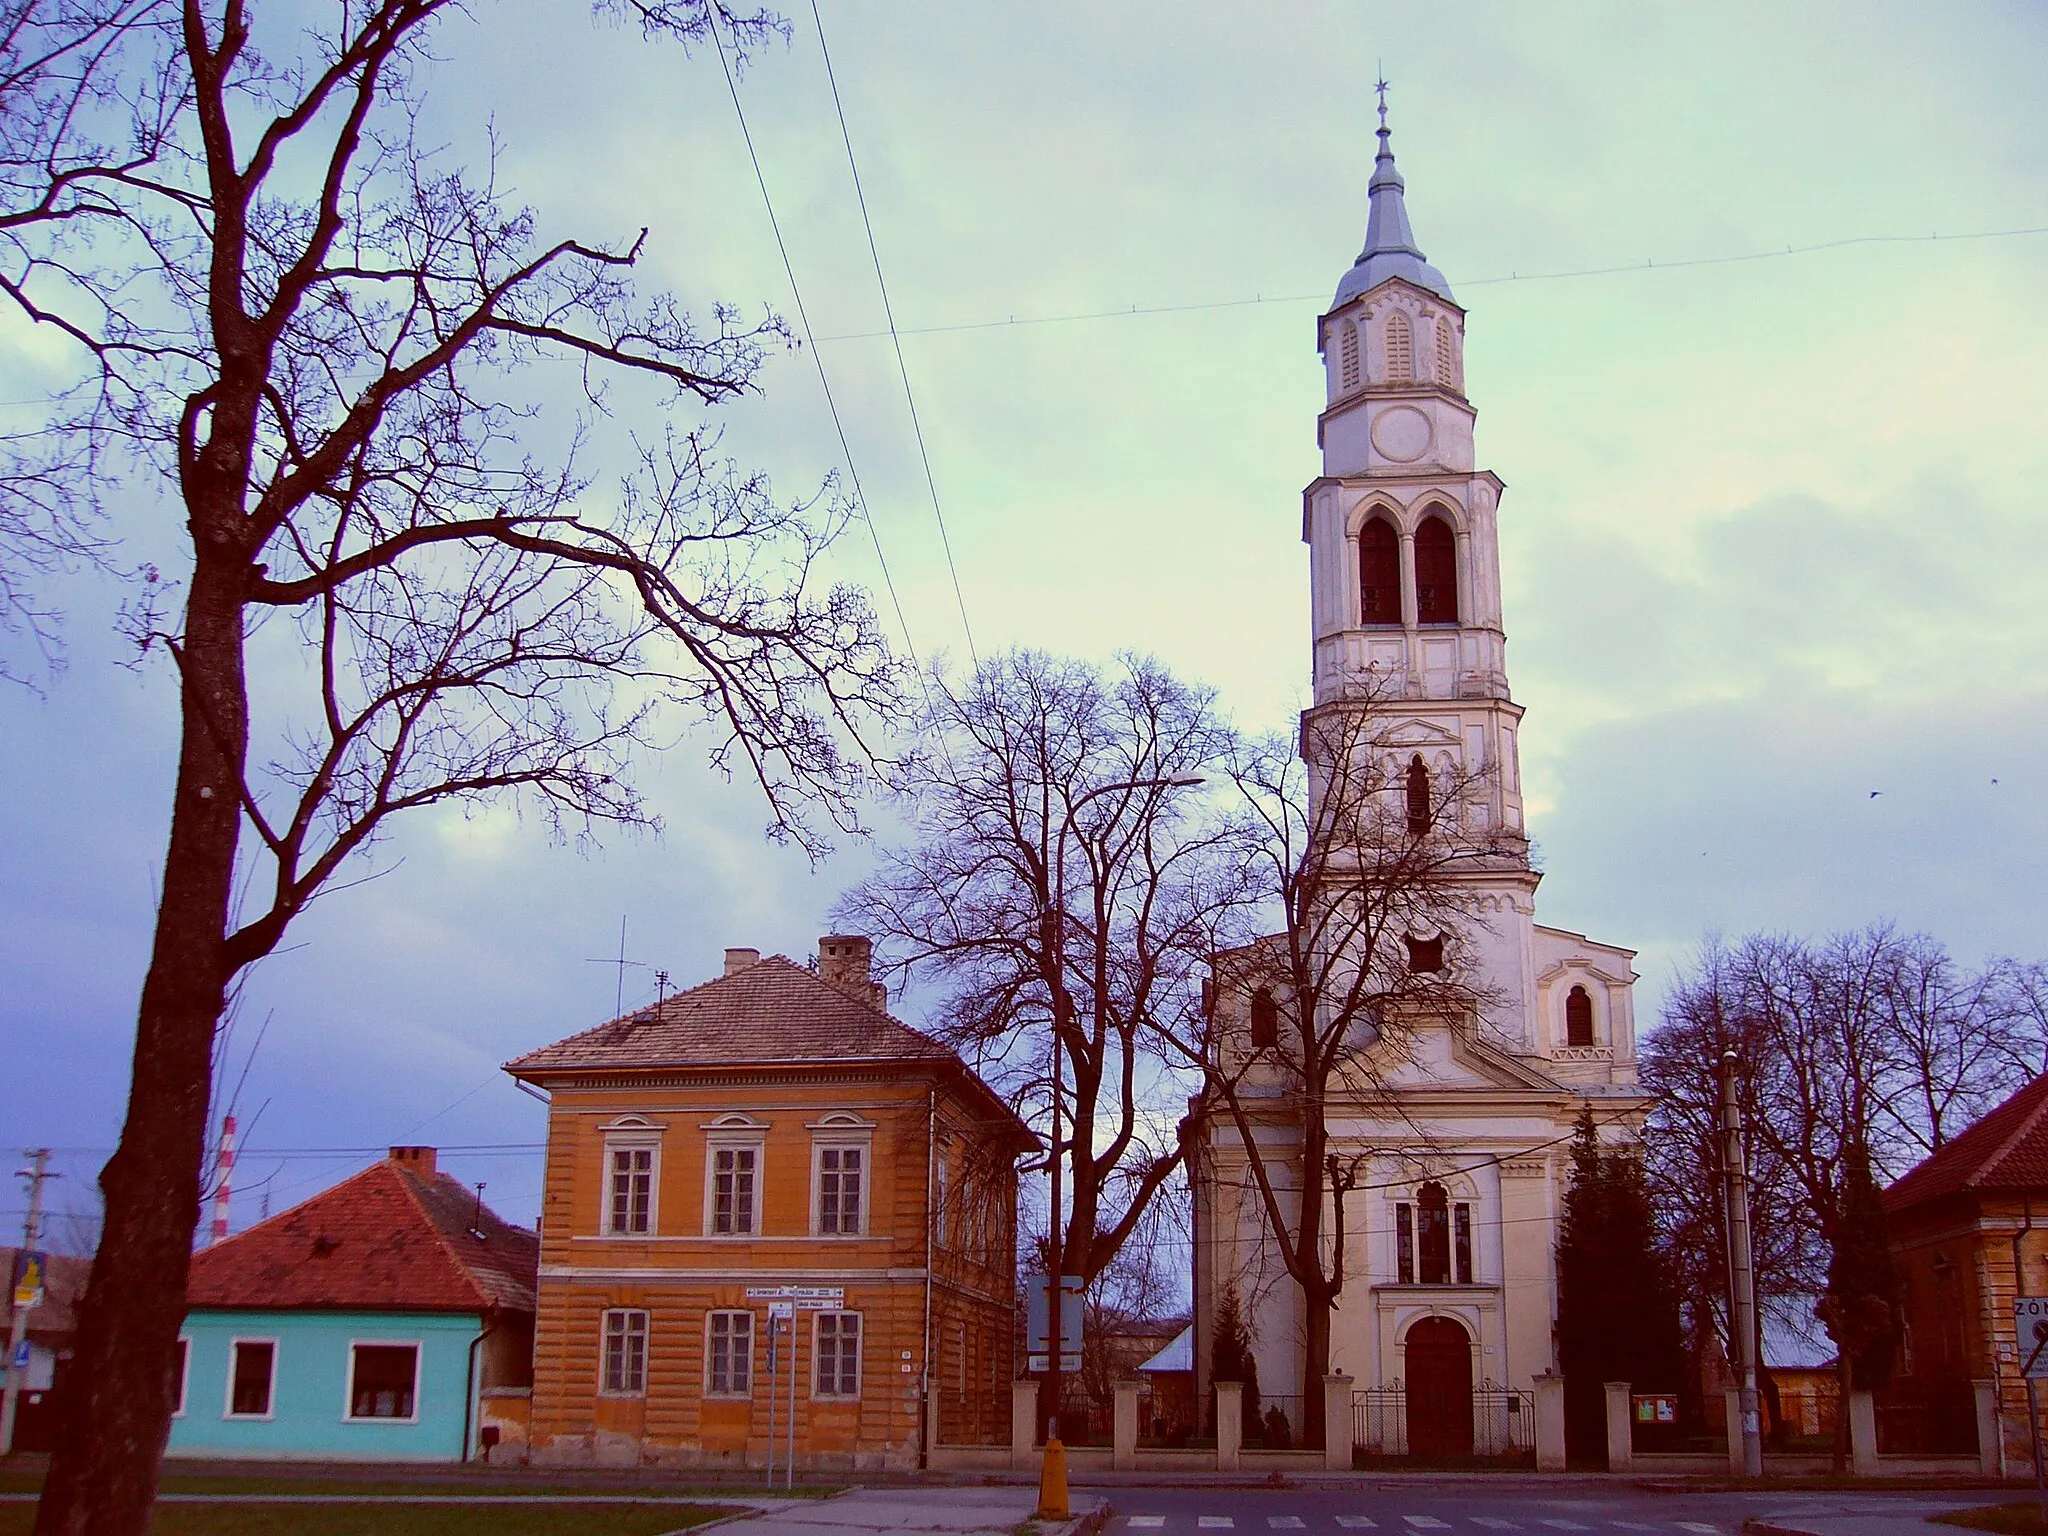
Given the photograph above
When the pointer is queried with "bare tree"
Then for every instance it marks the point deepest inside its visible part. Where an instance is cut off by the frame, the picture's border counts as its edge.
(1365, 867)
(1055, 889)
(331, 348)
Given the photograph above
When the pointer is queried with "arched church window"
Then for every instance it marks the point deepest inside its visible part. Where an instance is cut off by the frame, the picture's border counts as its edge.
(1433, 1239)
(1347, 351)
(1400, 349)
(1418, 796)
(1578, 1017)
(1379, 573)
(1433, 1234)
(1436, 573)
(1446, 373)
(1265, 1020)
(1425, 956)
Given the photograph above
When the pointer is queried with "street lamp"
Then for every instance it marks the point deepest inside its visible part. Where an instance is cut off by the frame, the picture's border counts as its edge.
(1052, 1481)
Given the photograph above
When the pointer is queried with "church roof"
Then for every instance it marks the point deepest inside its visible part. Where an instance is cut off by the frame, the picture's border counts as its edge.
(2006, 1150)
(1390, 248)
(399, 1236)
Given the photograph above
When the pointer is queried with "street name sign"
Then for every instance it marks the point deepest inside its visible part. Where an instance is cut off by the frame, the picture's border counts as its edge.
(2030, 1325)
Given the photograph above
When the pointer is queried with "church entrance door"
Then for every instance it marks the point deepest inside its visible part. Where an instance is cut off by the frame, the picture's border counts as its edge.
(1439, 1389)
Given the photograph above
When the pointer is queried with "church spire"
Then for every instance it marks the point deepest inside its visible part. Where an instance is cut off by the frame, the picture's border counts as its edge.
(1390, 248)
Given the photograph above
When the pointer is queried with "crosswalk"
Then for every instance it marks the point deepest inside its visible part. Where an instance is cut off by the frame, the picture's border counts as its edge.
(1410, 1524)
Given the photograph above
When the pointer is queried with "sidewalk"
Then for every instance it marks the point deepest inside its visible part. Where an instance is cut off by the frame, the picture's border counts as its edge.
(954, 1511)
(1861, 1517)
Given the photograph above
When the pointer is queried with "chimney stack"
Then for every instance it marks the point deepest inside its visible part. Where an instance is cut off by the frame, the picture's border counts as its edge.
(419, 1159)
(737, 960)
(846, 960)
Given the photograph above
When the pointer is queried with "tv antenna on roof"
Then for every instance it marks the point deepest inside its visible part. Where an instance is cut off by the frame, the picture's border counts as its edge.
(618, 1003)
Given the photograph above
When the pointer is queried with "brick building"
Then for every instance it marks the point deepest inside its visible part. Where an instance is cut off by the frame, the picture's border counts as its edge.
(771, 1127)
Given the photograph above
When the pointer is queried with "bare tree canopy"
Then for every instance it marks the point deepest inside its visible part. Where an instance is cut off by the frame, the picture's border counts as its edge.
(1360, 874)
(1057, 886)
(328, 349)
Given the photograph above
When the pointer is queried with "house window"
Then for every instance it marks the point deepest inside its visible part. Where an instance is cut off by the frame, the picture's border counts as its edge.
(1404, 1243)
(632, 1190)
(1461, 1243)
(1578, 1017)
(1347, 350)
(252, 1365)
(1436, 573)
(1417, 795)
(1379, 573)
(183, 1378)
(1265, 1020)
(943, 1218)
(733, 1171)
(1400, 349)
(835, 1343)
(839, 1191)
(383, 1380)
(729, 1368)
(625, 1352)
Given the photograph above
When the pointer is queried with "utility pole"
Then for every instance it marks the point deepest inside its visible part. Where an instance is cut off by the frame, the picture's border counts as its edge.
(1741, 1276)
(31, 1230)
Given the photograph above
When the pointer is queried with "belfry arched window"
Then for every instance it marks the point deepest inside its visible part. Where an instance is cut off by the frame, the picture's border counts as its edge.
(1379, 573)
(1578, 1017)
(1400, 349)
(1433, 1233)
(1417, 791)
(1446, 374)
(1347, 353)
(1436, 573)
(1265, 1020)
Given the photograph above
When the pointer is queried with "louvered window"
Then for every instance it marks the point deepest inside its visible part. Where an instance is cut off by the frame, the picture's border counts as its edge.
(1400, 349)
(1348, 351)
(1445, 373)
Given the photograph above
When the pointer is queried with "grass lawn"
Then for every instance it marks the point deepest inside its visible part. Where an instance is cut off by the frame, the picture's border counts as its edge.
(405, 1520)
(2020, 1516)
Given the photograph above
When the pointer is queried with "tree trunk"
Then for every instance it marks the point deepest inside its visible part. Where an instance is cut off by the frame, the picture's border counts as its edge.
(103, 1477)
(1315, 1362)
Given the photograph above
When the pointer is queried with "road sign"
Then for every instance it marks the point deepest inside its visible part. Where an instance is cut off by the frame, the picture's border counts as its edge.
(2030, 1323)
(797, 1293)
(21, 1356)
(30, 1268)
(1036, 1338)
(782, 1309)
(1038, 1365)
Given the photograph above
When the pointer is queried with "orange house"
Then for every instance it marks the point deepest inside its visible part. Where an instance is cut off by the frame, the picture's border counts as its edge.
(773, 1129)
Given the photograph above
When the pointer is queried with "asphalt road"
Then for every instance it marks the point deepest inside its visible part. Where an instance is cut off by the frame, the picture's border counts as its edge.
(1422, 1508)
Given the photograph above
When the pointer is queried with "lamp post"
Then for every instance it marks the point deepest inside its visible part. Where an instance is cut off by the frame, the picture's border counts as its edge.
(1052, 1481)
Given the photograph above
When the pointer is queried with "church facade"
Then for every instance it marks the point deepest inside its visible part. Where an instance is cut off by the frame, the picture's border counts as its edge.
(1459, 1148)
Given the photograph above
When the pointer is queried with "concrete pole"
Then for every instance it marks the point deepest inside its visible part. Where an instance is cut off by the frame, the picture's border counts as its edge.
(31, 1230)
(1741, 1278)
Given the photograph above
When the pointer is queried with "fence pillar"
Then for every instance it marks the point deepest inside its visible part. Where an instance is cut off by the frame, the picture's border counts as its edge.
(1732, 1396)
(1621, 1442)
(1337, 1435)
(1124, 1442)
(1024, 1424)
(1229, 1424)
(1550, 1422)
(1990, 1432)
(1862, 1434)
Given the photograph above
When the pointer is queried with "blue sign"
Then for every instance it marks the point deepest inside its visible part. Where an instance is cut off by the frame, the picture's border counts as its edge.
(21, 1356)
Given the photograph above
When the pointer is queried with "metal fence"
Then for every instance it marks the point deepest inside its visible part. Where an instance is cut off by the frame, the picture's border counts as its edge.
(1926, 1418)
(1503, 1421)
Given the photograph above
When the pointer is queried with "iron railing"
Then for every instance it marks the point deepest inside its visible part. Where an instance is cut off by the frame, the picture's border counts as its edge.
(1503, 1420)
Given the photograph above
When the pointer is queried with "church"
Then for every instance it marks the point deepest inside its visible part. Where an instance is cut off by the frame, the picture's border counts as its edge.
(1459, 1148)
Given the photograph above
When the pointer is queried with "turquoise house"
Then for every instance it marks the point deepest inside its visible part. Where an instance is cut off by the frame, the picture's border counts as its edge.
(389, 1318)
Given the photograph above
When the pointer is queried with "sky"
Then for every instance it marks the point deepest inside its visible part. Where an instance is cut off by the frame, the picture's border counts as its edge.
(1773, 537)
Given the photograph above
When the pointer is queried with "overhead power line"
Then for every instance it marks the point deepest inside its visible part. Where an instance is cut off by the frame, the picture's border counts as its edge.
(889, 314)
(1646, 265)
(811, 342)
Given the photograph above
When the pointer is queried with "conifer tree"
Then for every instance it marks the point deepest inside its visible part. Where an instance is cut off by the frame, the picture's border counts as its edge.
(1230, 1353)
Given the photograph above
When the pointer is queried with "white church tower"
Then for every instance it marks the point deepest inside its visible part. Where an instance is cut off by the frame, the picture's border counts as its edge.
(1447, 1312)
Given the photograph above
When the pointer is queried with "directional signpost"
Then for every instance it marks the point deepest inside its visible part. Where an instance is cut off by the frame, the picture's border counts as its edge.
(784, 1302)
(2030, 1328)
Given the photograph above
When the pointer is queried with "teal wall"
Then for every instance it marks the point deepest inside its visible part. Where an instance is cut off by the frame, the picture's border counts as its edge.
(308, 1395)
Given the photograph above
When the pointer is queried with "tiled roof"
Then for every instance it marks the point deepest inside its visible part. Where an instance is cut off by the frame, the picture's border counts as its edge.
(773, 1011)
(2007, 1149)
(392, 1238)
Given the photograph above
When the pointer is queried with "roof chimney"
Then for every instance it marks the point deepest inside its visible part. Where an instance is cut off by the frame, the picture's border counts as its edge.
(739, 959)
(418, 1159)
(845, 960)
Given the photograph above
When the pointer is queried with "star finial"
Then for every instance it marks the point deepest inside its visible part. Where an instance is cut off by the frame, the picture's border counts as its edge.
(1380, 85)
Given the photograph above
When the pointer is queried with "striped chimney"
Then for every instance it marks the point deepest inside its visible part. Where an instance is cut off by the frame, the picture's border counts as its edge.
(227, 1174)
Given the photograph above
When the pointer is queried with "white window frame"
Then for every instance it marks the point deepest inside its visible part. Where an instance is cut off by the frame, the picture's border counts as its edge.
(844, 1131)
(735, 1132)
(860, 1346)
(729, 1394)
(604, 1342)
(185, 1373)
(348, 1387)
(227, 1406)
(632, 1133)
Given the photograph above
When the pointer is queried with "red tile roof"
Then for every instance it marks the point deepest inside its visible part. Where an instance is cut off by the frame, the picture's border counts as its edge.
(2006, 1150)
(772, 1011)
(392, 1238)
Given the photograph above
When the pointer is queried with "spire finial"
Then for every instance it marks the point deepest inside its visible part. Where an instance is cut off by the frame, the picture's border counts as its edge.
(1390, 248)
(1380, 85)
